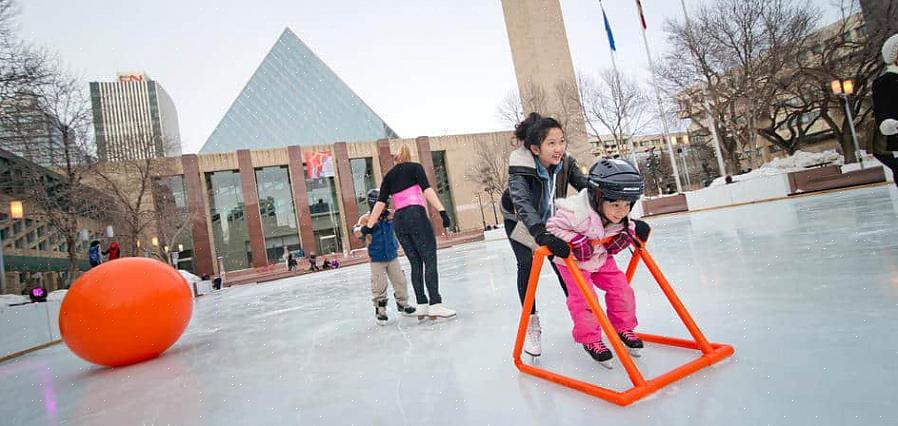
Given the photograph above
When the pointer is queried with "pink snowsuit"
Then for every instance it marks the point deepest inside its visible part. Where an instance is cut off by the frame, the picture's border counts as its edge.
(574, 216)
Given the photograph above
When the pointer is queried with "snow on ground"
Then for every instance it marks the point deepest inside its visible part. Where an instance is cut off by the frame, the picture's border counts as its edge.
(798, 161)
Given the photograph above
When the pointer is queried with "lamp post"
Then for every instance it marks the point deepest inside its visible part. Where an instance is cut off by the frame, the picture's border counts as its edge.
(482, 216)
(16, 211)
(844, 88)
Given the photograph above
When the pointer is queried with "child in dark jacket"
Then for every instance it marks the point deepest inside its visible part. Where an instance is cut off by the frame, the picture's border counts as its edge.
(383, 251)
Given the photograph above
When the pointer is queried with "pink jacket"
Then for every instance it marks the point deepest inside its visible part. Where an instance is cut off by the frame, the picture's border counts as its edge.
(574, 215)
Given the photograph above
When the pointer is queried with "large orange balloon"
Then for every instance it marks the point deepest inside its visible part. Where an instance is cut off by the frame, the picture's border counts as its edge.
(125, 311)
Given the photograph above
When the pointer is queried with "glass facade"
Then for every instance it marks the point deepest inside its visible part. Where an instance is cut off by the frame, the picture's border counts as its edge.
(362, 181)
(294, 98)
(174, 220)
(276, 210)
(325, 213)
(228, 220)
(442, 185)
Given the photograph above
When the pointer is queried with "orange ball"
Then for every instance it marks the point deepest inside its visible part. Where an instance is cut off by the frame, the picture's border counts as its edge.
(125, 311)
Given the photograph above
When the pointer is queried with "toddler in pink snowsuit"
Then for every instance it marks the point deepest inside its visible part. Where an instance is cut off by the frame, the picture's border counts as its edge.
(580, 219)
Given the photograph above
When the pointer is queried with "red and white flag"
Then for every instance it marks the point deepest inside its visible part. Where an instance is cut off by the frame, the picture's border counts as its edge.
(641, 15)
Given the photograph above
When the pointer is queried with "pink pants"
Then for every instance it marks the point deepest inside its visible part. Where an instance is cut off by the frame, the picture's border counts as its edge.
(620, 302)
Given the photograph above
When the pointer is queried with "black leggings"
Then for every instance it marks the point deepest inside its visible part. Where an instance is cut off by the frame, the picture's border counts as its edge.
(415, 234)
(891, 162)
(524, 257)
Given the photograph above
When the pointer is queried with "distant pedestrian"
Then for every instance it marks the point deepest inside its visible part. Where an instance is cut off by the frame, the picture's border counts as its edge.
(94, 255)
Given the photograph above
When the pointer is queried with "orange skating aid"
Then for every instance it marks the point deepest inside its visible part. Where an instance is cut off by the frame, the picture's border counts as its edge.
(710, 352)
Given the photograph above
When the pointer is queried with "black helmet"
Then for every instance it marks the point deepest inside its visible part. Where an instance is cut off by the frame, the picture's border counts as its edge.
(372, 198)
(614, 180)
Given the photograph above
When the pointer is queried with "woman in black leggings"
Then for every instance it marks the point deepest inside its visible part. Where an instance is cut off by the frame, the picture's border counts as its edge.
(407, 183)
(538, 172)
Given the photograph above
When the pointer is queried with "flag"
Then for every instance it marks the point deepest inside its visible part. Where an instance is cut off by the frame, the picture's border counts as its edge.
(608, 30)
(641, 15)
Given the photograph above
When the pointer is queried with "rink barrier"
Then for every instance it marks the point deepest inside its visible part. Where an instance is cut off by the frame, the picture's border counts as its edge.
(711, 353)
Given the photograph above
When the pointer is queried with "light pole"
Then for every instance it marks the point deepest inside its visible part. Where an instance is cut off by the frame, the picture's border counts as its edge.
(844, 88)
(493, 204)
(16, 211)
(482, 216)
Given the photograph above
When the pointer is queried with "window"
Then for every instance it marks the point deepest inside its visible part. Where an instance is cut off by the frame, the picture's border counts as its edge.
(362, 170)
(325, 212)
(276, 208)
(228, 222)
(442, 188)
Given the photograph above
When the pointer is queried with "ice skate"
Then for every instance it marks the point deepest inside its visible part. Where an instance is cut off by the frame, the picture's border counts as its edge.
(599, 352)
(632, 341)
(422, 312)
(438, 311)
(405, 310)
(380, 312)
(532, 345)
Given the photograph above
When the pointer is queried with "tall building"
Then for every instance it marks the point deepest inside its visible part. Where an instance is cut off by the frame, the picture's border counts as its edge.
(294, 98)
(134, 118)
(28, 132)
(543, 65)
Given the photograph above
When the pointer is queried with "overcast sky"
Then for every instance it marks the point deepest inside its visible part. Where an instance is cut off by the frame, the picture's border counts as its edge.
(427, 67)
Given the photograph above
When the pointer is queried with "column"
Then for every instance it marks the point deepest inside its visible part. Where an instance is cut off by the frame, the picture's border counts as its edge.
(251, 208)
(301, 200)
(347, 192)
(384, 157)
(422, 143)
(195, 186)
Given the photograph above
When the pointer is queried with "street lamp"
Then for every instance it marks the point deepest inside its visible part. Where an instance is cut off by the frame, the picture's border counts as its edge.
(16, 211)
(482, 216)
(844, 88)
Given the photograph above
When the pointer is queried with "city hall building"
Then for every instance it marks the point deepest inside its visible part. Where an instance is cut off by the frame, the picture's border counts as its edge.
(245, 207)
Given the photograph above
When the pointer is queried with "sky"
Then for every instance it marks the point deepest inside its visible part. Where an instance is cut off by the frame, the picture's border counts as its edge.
(427, 67)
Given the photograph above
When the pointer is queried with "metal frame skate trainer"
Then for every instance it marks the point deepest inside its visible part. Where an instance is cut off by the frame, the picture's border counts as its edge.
(711, 353)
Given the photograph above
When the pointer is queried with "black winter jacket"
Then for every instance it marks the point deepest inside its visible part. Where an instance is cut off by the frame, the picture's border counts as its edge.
(885, 106)
(523, 199)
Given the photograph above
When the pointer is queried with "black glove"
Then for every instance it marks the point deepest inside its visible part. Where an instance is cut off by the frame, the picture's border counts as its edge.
(643, 230)
(556, 245)
(447, 221)
(366, 230)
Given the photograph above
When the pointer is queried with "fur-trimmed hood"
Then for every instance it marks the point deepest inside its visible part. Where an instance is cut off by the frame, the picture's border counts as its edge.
(578, 204)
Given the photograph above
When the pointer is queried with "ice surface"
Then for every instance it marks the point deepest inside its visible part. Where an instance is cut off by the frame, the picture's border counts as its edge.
(805, 289)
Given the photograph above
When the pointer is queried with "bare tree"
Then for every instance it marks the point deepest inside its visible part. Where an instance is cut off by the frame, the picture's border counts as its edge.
(133, 185)
(615, 105)
(851, 51)
(490, 165)
(723, 62)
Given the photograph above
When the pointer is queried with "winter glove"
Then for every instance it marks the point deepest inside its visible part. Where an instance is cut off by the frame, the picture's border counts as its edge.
(556, 245)
(643, 230)
(581, 247)
(366, 230)
(447, 221)
(618, 243)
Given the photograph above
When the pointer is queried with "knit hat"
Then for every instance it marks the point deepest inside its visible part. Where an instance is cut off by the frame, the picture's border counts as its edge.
(890, 49)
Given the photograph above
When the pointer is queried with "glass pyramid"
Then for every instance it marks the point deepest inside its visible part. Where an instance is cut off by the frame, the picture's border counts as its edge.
(294, 98)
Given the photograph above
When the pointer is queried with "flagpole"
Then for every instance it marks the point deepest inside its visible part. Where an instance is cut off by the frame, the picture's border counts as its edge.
(663, 116)
(616, 88)
(711, 119)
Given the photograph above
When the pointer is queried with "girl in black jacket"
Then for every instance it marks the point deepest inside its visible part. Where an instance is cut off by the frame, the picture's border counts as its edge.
(885, 107)
(538, 173)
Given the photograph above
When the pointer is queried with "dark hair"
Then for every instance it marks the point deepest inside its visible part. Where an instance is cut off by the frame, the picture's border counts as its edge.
(532, 131)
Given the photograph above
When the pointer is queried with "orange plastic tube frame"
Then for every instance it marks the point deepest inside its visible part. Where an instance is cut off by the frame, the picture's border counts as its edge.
(711, 352)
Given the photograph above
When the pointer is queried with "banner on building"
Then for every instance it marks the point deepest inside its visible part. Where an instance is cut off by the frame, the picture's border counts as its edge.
(319, 164)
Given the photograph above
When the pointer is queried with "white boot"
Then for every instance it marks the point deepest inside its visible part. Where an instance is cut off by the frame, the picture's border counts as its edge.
(439, 311)
(421, 311)
(532, 345)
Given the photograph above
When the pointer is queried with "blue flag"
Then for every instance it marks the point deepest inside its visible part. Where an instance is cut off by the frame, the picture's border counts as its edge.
(608, 30)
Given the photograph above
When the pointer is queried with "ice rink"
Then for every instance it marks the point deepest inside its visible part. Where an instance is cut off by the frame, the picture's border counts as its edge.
(805, 289)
